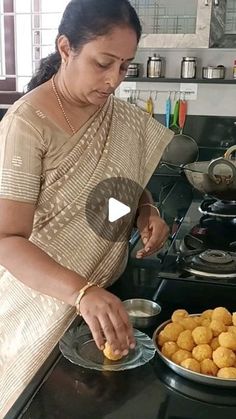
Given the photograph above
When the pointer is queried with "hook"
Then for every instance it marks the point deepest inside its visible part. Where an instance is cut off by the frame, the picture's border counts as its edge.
(135, 97)
(132, 96)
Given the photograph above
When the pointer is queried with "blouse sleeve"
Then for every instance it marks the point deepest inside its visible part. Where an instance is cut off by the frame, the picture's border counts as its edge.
(21, 153)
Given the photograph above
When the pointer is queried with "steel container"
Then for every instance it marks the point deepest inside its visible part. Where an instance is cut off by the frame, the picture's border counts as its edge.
(142, 313)
(133, 70)
(188, 68)
(155, 66)
(186, 373)
(210, 72)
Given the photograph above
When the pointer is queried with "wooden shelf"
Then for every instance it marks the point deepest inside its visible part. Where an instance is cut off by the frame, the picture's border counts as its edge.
(170, 80)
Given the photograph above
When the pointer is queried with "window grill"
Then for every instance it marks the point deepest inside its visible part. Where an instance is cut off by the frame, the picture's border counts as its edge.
(167, 16)
(35, 29)
(2, 37)
(230, 21)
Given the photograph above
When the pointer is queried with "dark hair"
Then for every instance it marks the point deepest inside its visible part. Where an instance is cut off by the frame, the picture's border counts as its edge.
(83, 21)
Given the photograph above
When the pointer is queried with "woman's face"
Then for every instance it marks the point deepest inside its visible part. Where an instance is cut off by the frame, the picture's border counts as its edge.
(99, 68)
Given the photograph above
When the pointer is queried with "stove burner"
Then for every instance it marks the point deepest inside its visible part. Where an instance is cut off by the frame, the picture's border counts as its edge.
(217, 208)
(204, 248)
(211, 263)
(216, 256)
(210, 233)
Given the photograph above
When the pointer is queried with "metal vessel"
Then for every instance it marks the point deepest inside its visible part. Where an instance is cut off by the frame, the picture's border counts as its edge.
(133, 70)
(211, 72)
(184, 372)
(155, 66)
(188, 68)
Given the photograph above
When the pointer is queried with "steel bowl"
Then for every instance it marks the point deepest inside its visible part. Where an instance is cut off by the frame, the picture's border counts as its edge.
(184, 372)
(142, 313)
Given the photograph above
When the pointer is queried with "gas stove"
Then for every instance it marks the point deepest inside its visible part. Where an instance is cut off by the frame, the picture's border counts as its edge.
(204, 247)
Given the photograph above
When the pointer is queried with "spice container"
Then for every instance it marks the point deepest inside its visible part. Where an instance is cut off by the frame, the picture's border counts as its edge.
(188, 68)
(155, 65)
(133, 70)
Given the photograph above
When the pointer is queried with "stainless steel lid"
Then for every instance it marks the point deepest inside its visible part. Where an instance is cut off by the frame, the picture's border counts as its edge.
(155, 58)
(189, 58)
(133, 65)
(212, 67)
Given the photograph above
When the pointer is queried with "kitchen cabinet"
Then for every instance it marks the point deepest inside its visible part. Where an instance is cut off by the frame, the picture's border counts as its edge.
(223, 24)
(174, 23)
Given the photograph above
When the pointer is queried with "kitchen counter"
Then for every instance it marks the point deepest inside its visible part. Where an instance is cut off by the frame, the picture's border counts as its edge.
(62, 390)
(152, 391)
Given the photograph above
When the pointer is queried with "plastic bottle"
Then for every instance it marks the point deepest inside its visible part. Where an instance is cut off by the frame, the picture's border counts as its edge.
(234, 70)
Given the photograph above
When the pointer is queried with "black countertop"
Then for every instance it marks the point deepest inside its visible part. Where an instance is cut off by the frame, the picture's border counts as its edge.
(62, 390)
(152, 391)
(148, 392)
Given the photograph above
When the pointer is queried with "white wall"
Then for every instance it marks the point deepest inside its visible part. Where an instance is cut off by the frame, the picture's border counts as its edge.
(212, 99)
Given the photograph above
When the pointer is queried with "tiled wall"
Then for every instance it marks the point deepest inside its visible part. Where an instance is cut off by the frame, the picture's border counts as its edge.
(211, 132)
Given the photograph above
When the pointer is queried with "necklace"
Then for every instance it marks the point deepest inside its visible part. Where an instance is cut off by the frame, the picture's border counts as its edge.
(61, 106)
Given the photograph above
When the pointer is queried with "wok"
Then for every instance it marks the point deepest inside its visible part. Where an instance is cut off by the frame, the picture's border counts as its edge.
(216, 177)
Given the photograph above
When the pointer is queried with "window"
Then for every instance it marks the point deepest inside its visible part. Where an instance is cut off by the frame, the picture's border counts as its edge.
(7, 51)
(2, 37)
(27, 33)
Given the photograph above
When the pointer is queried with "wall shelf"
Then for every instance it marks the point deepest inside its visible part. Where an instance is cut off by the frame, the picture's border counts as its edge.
(174, 80)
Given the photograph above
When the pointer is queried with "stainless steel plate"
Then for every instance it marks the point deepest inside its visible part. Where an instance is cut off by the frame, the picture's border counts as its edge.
(184, 372)
(78, 346)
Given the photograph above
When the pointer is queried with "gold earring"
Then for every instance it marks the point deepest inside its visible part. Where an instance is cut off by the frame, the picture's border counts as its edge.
(63, 61)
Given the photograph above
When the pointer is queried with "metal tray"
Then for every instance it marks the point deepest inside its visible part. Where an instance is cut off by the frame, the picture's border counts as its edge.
(184, 372)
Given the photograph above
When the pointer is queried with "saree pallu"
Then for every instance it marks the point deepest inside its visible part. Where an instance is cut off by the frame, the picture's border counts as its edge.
(41, 164)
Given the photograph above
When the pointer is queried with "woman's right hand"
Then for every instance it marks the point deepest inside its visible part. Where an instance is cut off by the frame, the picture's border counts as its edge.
(108, 320)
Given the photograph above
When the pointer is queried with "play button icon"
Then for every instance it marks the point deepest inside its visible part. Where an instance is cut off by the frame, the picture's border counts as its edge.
(117, 210)
(111, 208)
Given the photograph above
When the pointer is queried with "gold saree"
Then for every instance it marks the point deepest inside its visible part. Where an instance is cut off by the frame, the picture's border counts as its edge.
(41, 164)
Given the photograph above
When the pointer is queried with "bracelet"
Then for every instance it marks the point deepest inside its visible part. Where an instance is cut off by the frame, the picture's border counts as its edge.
(150, 205)
(81, 294)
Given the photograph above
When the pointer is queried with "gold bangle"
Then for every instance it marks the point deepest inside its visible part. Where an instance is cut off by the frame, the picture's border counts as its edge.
(150, 205)
(81, 294)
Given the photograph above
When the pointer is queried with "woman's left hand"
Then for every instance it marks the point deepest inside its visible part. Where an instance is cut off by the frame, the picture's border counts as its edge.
(153, 230)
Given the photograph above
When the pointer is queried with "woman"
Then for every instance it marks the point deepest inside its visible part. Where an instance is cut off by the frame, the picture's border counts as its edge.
(67, 134)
